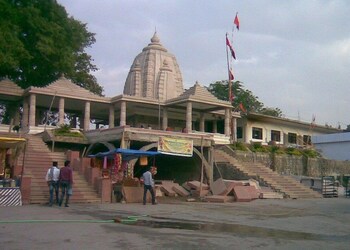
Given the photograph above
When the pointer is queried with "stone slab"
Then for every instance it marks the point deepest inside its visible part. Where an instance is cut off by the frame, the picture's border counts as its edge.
(186, 186)
(197, 193)
(168, 190)
(242, 193)
(181, 191)
(196, 185)
(219, 187)
(271, 195)
(254, 193)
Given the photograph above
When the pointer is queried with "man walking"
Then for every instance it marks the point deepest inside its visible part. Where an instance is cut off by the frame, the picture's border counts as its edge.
(66, 182)
(52, 177)
(148, 184)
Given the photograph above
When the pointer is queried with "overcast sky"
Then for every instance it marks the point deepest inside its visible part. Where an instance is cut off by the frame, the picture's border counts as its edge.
(294, 55)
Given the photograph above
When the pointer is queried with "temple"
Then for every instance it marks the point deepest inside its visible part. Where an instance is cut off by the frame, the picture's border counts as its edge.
(154, 105)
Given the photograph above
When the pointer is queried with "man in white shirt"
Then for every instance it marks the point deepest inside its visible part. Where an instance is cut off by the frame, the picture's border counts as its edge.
(148, 184)
(52, 176)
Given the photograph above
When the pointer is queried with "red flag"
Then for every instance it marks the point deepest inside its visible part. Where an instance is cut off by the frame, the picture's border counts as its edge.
(242, 108)
(231, 49)
(236, 21)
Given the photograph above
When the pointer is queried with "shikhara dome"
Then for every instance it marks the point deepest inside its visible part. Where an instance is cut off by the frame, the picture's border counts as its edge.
(154, 73)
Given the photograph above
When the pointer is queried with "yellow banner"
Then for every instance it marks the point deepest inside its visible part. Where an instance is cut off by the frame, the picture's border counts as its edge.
(172, 146)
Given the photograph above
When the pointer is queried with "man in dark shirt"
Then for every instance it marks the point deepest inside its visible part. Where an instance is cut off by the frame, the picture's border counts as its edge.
(66, 182)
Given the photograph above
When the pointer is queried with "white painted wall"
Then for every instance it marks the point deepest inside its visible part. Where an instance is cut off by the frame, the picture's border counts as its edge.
(333, 146)
(267, 127)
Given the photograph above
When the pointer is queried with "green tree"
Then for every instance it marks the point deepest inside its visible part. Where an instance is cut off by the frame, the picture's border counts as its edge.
(242, 97)
(39, 42)
(271, 111)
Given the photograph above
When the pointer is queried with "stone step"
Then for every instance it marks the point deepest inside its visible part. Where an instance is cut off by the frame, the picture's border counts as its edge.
(289, 186)
(38, 159)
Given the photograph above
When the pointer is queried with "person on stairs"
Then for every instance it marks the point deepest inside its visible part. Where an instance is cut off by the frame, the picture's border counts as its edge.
(66, 182)
(52, 177)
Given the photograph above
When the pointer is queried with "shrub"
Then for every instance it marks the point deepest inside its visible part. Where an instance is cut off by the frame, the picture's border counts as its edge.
(293, 151)
(276, 150)
(64, 130)
(257, 147)
(311, 153)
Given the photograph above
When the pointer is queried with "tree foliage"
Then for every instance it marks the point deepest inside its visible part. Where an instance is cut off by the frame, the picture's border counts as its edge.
(39, 42)
(244, 100)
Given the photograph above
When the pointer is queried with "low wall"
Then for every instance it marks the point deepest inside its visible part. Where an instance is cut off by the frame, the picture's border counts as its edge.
(297, 165)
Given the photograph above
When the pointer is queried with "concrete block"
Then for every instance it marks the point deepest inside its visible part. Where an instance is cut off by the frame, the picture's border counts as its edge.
(219, 187)
(26, 184)
(197, 193)
(106, 190)
(181, 191)
(254, 193)
(168, 190)
(271, 195)
(242, 193)
(196, 185)
(186, 186)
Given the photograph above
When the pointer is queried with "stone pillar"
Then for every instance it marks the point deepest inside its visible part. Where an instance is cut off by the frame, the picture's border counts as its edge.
(246, 133)
(227, 122)
(61, 111)
(32, 109)
(25, 113)
(123, 113)
(202, 123)
(85, 164)
(26, 188)
(234, 128)
(106, 190)
(165, 118)
(111, 116)
(215, 126)
(189, 117)
(87, 116)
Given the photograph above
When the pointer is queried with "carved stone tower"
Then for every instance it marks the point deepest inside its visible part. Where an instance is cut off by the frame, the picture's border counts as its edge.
(154, 73)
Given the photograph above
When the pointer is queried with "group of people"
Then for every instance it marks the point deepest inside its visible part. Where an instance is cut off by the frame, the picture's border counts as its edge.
(60, 178)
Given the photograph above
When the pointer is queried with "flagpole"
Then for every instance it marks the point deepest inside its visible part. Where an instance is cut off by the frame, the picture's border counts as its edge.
(228, 73)
(229, 92)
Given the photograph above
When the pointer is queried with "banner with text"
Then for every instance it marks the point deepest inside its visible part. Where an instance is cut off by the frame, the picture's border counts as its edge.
(172, 146)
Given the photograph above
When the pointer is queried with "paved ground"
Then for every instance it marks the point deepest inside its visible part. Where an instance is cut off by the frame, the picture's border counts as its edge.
(261, 224)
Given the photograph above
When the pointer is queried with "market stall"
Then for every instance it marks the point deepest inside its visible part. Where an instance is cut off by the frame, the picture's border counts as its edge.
(10, 149)
(118, 165)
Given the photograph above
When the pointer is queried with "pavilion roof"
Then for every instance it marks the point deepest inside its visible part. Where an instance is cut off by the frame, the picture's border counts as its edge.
(197, 93)
(66, 88)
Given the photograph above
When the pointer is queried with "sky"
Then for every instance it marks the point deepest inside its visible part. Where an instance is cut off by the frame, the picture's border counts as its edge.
(293, 55)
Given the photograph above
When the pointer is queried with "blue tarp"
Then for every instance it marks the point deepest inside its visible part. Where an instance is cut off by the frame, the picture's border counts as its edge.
(127, 154)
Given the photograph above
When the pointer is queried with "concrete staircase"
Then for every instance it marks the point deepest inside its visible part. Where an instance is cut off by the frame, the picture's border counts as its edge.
(287, 185)
(38, 158)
